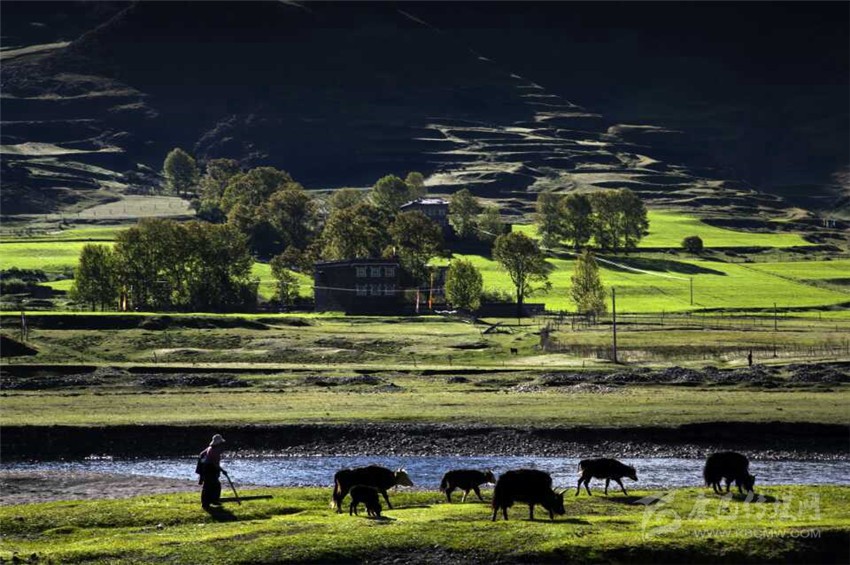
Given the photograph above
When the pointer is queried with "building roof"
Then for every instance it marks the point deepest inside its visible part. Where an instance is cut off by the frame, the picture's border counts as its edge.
(426, 202)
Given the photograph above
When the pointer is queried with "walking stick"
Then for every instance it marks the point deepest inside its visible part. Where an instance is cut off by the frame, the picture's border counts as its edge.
(232, 487)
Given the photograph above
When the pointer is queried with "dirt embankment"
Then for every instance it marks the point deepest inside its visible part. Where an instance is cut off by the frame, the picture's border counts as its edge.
(771, 439)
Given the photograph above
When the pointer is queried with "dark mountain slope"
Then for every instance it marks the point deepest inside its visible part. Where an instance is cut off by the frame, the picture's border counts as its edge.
(340, 94)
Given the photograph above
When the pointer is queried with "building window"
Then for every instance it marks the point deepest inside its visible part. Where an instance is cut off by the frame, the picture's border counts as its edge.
(389, 290)
(376, 271)
(361, 272)
(375, 289)
(389, 271)
(361, 290)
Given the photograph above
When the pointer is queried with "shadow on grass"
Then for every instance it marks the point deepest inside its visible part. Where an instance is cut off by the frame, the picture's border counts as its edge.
(220, 514)
(754, 498)
(546, 520)
(578, 521)
(631, 500)
(245, 498)
(660, 265)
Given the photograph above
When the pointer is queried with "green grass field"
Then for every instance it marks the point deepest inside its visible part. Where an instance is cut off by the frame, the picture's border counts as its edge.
(61, 253)
(717, 284)
(386, 342)
(488, 398)
(263, 272)
(667, 229)
(790, 523)
(49, 256)
(836, 270)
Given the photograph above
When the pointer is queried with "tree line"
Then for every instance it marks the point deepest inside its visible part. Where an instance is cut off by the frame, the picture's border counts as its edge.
(293, 228)
(263, 212)
(615, 220)
(167, 265)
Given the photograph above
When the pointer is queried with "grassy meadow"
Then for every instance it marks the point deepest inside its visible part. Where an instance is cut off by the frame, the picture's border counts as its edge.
(645, 282)
(717, 285)
(295, 525)
(667, 229)
(490, 399)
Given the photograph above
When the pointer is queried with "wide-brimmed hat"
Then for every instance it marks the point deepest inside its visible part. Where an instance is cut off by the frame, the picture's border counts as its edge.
(217, 440)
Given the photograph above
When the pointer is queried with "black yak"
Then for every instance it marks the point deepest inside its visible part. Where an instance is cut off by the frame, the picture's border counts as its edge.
(465, 480)
(608, 469)
(380, 478)
(529, 486)
(369, 497)
(730, 466)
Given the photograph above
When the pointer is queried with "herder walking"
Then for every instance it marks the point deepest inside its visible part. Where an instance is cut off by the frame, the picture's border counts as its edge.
(209, 469)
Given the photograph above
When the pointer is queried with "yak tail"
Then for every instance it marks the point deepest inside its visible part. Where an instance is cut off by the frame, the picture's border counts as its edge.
(336, 491)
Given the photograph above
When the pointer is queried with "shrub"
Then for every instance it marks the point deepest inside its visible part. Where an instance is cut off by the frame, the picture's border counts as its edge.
(692, 244)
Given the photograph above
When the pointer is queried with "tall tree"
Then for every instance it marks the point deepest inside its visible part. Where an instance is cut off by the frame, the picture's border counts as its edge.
(586, 291)
(286, 288)
(521, 257)
(490, 224)
(415, 239)
(357, 232)
(293, 213)
(180, 172)
(389, 193)
(605, 220)
(634, 223)
(464, 285)
(619, 219)
(415, 185)
(252, 188)
(577, 219)
(463, 212)
(217, 175)
(151, 259)
(218, 268)
(163, 264)
(549, 219)
(95, 277)
(345, 198)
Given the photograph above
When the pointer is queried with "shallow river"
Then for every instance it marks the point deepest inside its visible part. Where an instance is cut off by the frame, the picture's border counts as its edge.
(426, 472)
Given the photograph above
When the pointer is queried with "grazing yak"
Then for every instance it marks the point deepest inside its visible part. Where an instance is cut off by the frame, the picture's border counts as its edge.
(608, 469)
(529, 486)
(380, 478)
(369, 497)
(465, 480)
(730, 466)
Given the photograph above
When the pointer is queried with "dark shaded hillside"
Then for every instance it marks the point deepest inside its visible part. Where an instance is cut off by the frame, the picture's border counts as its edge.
(503, 97)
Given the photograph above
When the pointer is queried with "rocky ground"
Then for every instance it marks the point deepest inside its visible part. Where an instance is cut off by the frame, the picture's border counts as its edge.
(26, 487)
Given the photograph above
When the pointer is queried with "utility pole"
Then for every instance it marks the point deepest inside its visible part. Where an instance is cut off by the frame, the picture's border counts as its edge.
(614, 324)
(692, 290)
(775, 322)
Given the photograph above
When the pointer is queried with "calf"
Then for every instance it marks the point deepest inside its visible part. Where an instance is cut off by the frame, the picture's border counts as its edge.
(380, 478)
(465, 480)
(730, 466)
(369, 497)
(529, 486)
(608, 469)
